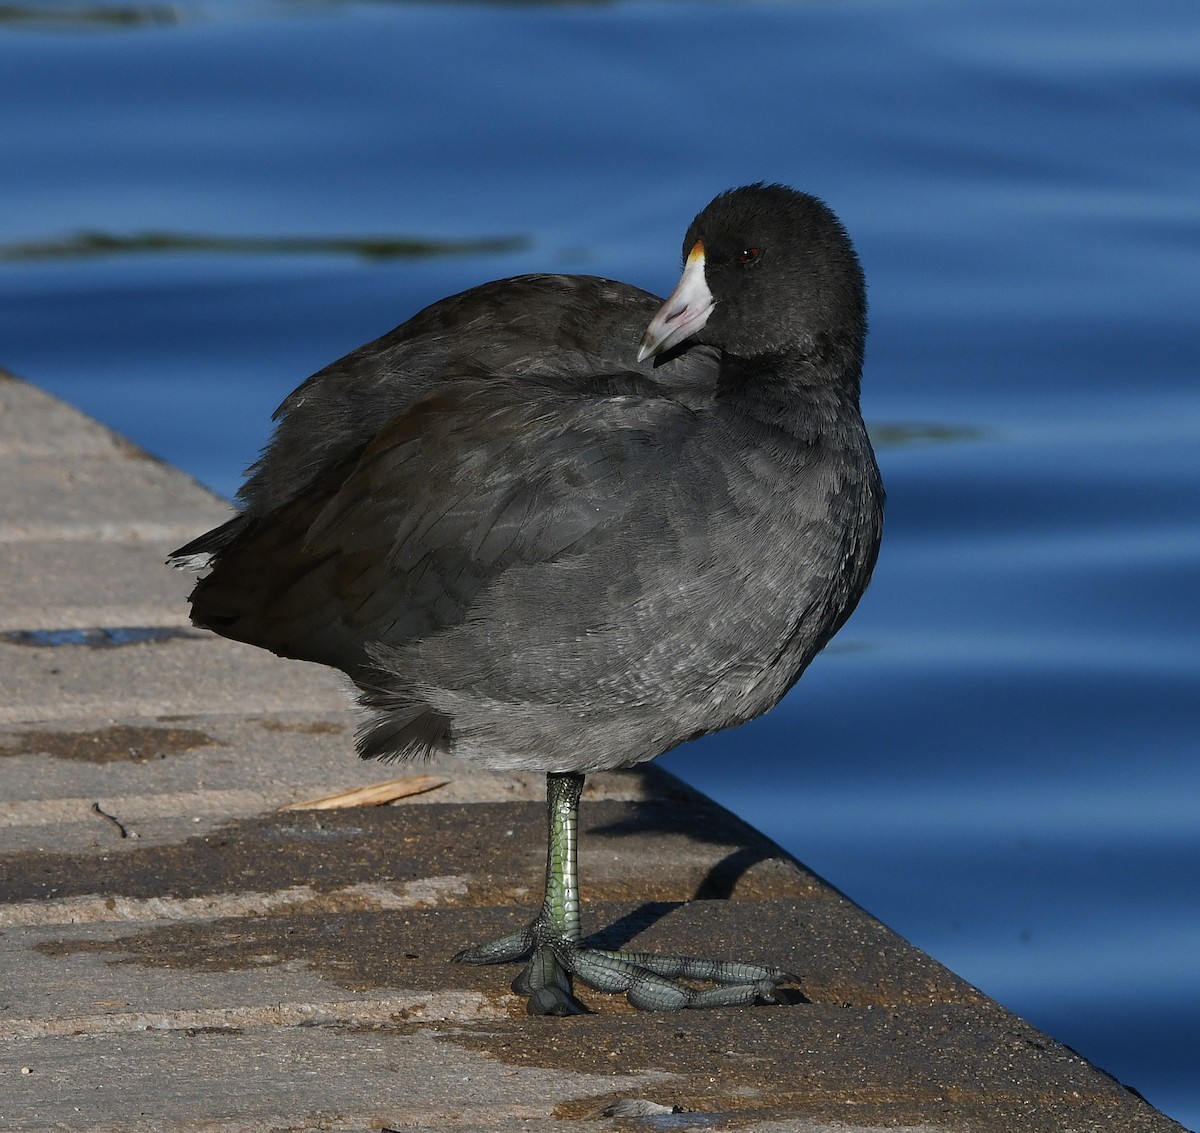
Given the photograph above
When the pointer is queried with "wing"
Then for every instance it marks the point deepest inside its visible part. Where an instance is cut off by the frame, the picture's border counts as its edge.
(397, 542)
(558, 326)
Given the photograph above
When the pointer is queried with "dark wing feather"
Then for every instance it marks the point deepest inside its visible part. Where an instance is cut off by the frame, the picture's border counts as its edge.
(395, 543)
(557, 326)
(579, 331)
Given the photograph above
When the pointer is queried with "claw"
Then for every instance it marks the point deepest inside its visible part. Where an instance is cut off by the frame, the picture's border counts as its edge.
(647, 979)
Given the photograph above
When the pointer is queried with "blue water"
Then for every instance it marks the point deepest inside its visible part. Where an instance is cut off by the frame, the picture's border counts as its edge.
(998, 755)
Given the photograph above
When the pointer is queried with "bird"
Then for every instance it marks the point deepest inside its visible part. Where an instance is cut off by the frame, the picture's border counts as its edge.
(555, 523)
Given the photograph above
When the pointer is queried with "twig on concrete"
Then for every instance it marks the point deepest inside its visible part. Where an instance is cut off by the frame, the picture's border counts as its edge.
(378, 794)
(122, 831)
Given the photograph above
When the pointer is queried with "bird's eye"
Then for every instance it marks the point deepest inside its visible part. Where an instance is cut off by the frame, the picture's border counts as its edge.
(748, 255)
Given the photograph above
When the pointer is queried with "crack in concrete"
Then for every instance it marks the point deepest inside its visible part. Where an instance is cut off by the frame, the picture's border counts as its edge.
(409, 1006)
(424, 892)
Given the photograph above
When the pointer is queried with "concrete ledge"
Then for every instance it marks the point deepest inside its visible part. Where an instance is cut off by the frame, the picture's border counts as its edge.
(178, 954)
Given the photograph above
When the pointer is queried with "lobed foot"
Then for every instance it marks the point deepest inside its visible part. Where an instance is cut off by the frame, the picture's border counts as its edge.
(650, 981)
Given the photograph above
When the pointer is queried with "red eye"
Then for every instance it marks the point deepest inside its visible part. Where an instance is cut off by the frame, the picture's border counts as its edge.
(748, 255)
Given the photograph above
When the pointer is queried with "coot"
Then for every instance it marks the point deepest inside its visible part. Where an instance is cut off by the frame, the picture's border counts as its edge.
(553, 523)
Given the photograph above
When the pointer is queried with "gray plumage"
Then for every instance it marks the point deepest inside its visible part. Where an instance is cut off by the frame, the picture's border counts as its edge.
(529, 549)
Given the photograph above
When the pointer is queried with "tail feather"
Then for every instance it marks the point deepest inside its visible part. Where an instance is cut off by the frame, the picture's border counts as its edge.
(401, 727)
(199, 553)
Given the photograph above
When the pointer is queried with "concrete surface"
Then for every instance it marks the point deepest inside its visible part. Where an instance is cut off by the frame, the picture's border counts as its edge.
(177, 954)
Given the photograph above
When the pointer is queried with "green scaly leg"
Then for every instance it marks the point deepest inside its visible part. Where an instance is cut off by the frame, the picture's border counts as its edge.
(552, 943)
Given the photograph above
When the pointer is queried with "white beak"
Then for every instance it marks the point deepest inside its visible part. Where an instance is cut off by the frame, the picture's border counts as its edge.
(685, 311)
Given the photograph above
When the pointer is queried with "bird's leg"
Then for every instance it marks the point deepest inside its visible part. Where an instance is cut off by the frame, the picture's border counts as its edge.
(555, 929)
(649, 981)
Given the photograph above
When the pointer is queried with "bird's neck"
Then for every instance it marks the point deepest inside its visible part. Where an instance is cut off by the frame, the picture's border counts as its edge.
(807, 396)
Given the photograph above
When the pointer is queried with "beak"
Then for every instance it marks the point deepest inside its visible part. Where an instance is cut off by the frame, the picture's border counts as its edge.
(684, 313)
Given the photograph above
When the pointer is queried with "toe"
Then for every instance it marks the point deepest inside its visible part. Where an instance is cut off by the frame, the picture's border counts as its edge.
(548, 985)
(647, 979)
(555, 1001)
(515, 946)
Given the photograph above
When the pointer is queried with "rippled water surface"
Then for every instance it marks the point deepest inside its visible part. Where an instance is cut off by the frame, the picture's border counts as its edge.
(203, 203)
